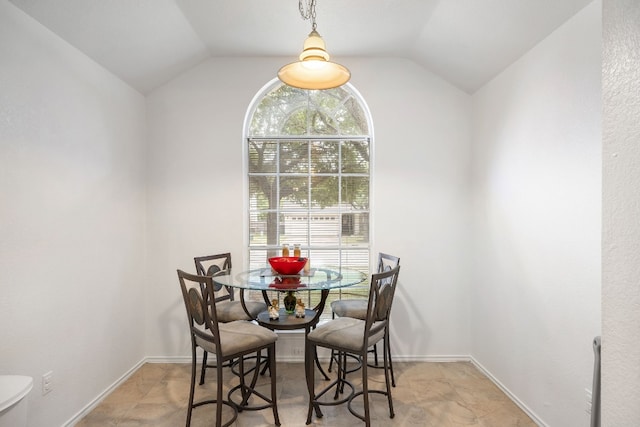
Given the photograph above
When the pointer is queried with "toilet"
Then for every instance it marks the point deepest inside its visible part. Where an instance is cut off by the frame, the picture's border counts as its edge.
(13, 405)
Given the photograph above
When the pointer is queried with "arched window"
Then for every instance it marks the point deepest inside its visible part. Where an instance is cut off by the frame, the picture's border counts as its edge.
(308, 164)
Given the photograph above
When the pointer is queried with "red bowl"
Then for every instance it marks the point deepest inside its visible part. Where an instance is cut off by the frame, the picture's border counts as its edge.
(288, 265)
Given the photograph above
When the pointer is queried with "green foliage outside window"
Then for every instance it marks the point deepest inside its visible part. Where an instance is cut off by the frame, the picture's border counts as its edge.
(309, 169)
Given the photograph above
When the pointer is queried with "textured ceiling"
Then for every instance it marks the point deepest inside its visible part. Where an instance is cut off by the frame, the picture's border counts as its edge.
(148, 42)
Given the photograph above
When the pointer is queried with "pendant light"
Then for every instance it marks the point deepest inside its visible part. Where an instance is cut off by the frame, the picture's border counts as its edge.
(313, 70)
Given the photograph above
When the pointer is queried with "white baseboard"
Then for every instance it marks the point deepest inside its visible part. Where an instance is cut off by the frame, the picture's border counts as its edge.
(321, 356)
(299, 359)
(436, 358)
(534, 417)
(99, 398)
(173, 359)
(289, 358)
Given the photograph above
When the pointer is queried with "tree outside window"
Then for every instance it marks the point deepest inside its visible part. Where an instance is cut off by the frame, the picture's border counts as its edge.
(308, 168)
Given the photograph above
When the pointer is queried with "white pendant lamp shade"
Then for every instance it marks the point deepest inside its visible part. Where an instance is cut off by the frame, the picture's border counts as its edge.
(314, 70)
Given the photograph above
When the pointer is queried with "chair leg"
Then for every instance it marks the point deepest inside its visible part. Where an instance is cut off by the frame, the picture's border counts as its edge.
(333, 316)
(375, 354)
(317, 362)
(387, 364)
(309, 351)
(333, 354)
(204, 367)
(387, 344)
(243, 388)
(342, 367)
(340, 377)
(247, 391)
(193, 385)
(271, 353)
(365, 394)
(219, 395)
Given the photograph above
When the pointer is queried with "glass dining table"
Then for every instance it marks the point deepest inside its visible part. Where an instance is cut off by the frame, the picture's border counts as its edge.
(321, 278)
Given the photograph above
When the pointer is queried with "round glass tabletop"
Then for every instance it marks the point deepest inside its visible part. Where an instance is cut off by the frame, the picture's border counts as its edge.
(265, 279)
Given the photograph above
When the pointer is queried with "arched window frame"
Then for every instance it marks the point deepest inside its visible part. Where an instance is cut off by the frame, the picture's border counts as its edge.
(357, 255)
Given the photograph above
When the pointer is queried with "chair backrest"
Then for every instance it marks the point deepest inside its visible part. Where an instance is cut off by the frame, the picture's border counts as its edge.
(197, 293)
(381, 293)
(387, 262)
(209, 265)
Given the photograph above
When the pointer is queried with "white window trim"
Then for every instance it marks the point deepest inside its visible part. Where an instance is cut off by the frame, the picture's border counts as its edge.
(245, 166)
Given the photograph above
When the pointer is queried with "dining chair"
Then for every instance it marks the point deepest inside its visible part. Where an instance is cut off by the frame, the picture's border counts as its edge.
(228, 308)
(357, 308)
(227, 341)
(348, 335)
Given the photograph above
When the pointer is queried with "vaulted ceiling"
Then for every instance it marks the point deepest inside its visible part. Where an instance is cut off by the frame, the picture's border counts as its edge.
(148, 42)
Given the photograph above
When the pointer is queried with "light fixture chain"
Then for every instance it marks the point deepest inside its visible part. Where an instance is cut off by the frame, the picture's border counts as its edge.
(308, 11)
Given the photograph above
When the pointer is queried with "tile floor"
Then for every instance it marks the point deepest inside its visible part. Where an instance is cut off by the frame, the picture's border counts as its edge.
(427, 394)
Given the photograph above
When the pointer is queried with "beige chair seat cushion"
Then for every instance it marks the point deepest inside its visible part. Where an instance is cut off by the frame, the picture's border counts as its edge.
(345, 333)
(230, 311)
(239, 336)
(356, 308)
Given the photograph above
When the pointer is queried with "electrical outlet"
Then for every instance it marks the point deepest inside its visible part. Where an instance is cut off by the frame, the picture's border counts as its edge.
(589, 400)
(47, 382)
(297, 351)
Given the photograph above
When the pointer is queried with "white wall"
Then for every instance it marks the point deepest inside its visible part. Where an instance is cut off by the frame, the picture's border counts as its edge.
(71, 220)
(537, 200)
(621, 211)
(73, 214)
(420, 192)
